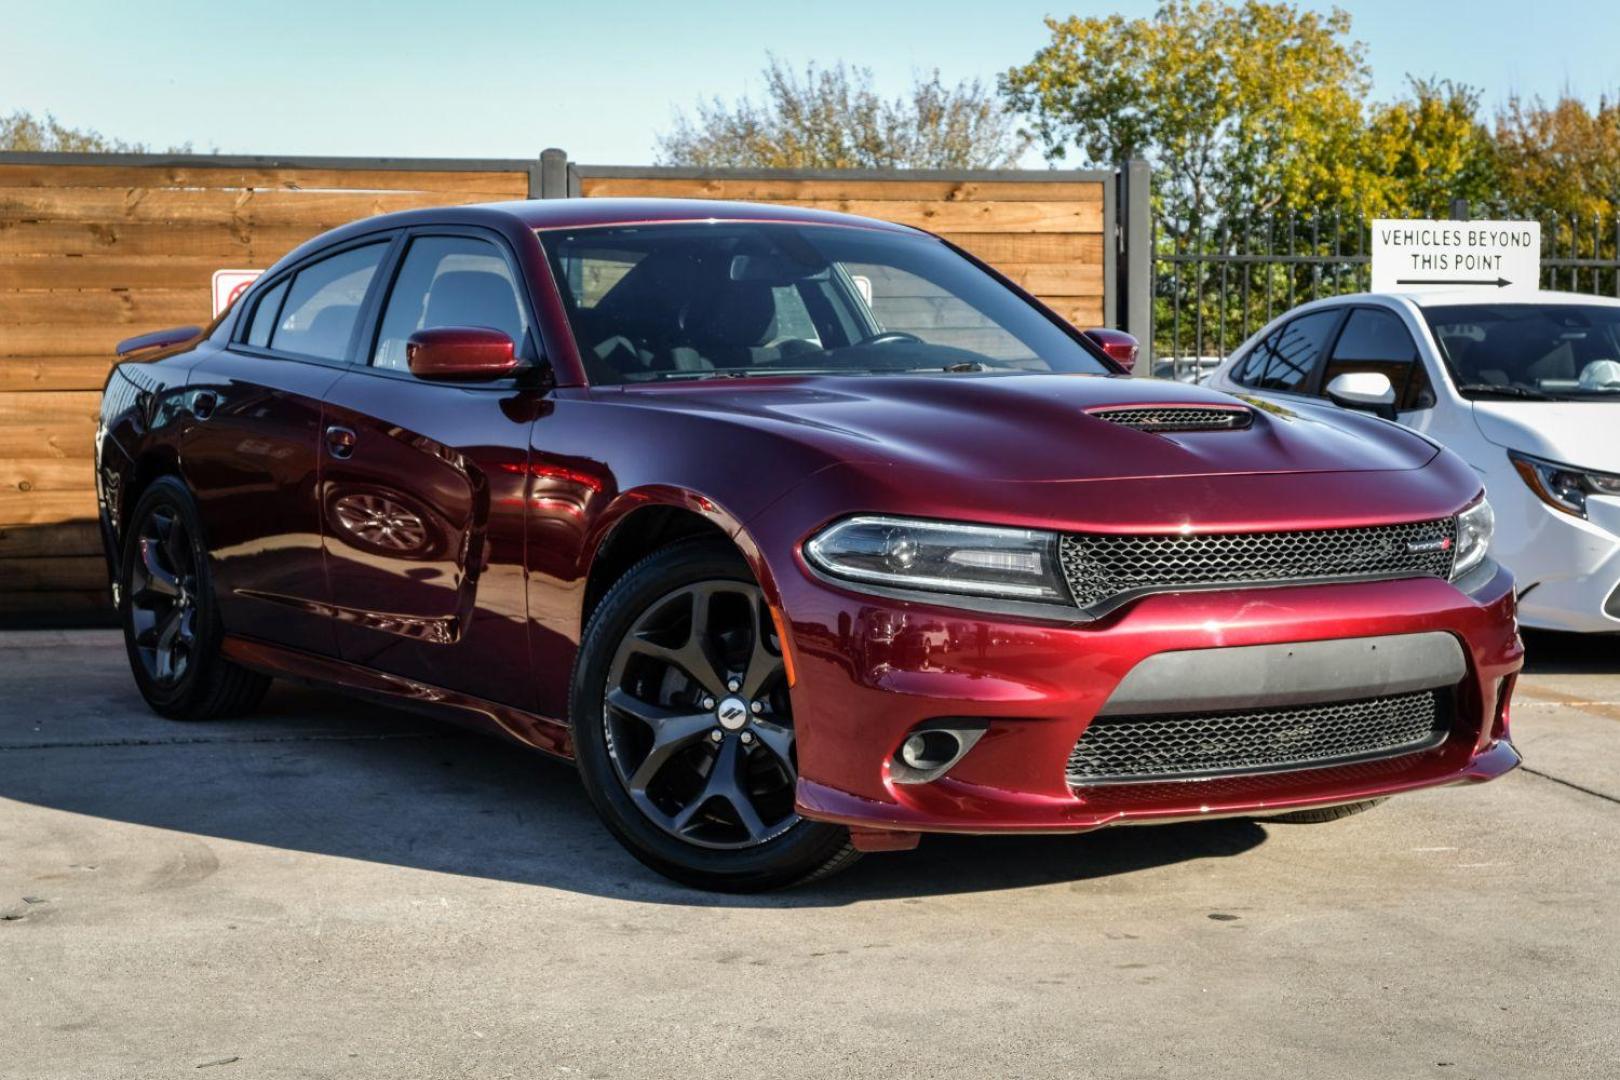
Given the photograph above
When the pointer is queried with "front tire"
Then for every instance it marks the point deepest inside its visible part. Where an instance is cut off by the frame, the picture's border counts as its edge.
(170, 618)
(683, 727)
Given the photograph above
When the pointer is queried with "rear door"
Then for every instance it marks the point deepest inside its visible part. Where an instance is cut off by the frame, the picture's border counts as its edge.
(251, 450)
(422, 493)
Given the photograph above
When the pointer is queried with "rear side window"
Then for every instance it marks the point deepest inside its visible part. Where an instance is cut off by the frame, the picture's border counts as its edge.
(1285, 360)
(264, 315)
(449, 281)
(323, 304)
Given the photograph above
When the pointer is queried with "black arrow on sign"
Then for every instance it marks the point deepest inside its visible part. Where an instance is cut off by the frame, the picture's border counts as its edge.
(1500, 283)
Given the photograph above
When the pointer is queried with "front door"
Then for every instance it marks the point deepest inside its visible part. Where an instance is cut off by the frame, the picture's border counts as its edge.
(422, 493)
(250, 453)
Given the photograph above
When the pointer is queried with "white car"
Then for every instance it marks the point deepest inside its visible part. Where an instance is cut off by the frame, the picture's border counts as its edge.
(1527, 390)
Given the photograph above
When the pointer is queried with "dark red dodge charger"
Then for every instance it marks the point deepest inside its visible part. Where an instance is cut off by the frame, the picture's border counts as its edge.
(802, 534)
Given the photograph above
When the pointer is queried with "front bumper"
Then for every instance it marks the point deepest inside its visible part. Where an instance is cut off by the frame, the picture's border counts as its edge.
(869, 670)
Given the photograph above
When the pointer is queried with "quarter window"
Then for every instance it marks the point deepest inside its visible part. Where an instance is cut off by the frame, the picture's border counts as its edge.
(264, 315)
(449, 281)
(323, 304)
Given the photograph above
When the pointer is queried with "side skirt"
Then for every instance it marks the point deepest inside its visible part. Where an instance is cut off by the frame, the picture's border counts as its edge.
(543, 733)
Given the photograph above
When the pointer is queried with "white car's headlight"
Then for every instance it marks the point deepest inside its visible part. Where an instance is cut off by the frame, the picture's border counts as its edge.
(938, 556)
(1474, 528)
(1562, 487)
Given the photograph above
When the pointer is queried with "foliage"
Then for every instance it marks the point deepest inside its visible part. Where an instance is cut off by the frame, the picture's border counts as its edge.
(23, 131)
(1561, 159)
(833, 118)
(1240, 109)
(1425, 150)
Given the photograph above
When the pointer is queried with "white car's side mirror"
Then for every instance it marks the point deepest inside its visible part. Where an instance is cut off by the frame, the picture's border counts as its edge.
(1370, 391)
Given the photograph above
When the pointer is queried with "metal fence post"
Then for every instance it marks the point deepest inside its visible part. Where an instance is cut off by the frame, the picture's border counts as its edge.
(1136, 264)
(548, 179)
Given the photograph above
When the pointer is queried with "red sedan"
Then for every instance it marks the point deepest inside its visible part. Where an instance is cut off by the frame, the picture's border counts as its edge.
(802, 534)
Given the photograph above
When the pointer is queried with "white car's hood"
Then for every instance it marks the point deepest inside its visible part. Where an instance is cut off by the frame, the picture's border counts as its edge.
(1585, 434)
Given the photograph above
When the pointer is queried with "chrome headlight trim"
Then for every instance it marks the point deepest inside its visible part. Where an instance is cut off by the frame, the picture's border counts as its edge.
(1475, 527)
(942, 558)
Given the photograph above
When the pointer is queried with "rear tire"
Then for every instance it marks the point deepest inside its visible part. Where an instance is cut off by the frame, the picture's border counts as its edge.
(1323, 814)
(169, 614)
(683, 727)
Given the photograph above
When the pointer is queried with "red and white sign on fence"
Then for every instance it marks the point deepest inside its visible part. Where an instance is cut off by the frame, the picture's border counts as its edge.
(231, 284)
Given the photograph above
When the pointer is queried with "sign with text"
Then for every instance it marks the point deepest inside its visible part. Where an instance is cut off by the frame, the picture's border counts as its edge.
(231, 284)
(1498, 258)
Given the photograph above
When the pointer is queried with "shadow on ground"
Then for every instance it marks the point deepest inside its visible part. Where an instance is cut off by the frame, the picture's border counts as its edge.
(321, 773)
(1548, 652)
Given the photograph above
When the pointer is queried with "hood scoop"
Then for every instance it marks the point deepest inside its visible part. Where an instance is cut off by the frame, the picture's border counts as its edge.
(1176, 417)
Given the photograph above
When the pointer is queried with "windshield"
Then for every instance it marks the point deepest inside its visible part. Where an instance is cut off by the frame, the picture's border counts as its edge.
(1530, 351)
(734, 299)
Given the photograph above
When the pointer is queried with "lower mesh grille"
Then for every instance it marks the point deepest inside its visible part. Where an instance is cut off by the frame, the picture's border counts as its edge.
(1127, 749)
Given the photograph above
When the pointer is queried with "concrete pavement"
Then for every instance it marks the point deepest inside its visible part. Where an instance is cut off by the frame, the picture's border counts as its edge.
(332, 889)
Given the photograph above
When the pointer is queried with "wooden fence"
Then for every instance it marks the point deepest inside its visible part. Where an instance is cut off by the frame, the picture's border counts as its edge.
(96, 248)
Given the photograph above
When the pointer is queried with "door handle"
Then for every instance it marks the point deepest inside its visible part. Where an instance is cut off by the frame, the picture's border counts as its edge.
(203, 403)
(340, 441)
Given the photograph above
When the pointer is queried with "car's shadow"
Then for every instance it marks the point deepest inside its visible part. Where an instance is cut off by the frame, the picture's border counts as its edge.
(1548, 652)
(320, 773)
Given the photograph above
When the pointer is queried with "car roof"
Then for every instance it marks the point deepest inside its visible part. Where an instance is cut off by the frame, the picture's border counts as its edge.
(580, 213)
(1453, 297)
(587, 213)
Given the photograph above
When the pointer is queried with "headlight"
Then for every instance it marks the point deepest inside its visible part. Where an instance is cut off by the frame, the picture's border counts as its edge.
(1562, 487)
(1474, 528)
(935, 556)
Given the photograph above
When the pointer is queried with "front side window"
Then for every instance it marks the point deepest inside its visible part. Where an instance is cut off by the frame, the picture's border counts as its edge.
(729, 299)
(449, 281)
(323, 303)
(1374, 339)
(1530, 351)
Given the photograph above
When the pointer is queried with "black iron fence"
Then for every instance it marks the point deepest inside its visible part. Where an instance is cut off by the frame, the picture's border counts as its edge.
(1213, 288)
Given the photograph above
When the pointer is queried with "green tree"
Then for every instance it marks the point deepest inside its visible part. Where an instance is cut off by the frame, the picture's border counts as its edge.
(1559, 159)
(1424, 150)
(833, 118)
(23, 131)
(1241, 109)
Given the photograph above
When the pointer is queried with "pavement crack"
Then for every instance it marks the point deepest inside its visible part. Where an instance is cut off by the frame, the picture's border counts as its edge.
(1571, 784)
(195, 740)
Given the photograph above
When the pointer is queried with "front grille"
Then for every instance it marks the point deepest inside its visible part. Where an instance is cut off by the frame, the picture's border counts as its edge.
(1132, 749)
(1159, 418)
(1101, 568)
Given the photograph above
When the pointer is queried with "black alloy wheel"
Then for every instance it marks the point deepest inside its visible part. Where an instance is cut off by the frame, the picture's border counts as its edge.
(684, 726)
(171, 621)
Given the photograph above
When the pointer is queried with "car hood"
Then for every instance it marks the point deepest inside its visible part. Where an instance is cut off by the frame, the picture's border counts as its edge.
(1035, 428)
(1579, 433)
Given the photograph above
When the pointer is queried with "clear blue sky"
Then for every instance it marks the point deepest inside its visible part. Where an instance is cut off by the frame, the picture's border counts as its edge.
(494, 78)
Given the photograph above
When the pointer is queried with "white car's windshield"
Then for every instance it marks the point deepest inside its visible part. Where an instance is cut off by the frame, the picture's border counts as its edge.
(1530, 351)
(735, 299)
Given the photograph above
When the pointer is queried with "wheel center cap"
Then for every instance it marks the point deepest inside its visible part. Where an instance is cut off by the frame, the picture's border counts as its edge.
(732, 712)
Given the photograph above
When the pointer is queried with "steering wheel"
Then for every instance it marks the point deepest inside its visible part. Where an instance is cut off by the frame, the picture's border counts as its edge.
(888, 336)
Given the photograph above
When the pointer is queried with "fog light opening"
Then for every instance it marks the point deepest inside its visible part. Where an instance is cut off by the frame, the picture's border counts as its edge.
(932, 748)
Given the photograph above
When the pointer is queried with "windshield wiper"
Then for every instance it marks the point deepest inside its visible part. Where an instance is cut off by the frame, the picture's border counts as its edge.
(966, 365)
(753, 373)
(1474, 389)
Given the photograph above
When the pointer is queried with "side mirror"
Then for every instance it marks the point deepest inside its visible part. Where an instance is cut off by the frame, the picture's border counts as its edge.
(1369, 391)
(1117, 345)
(460, 354)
